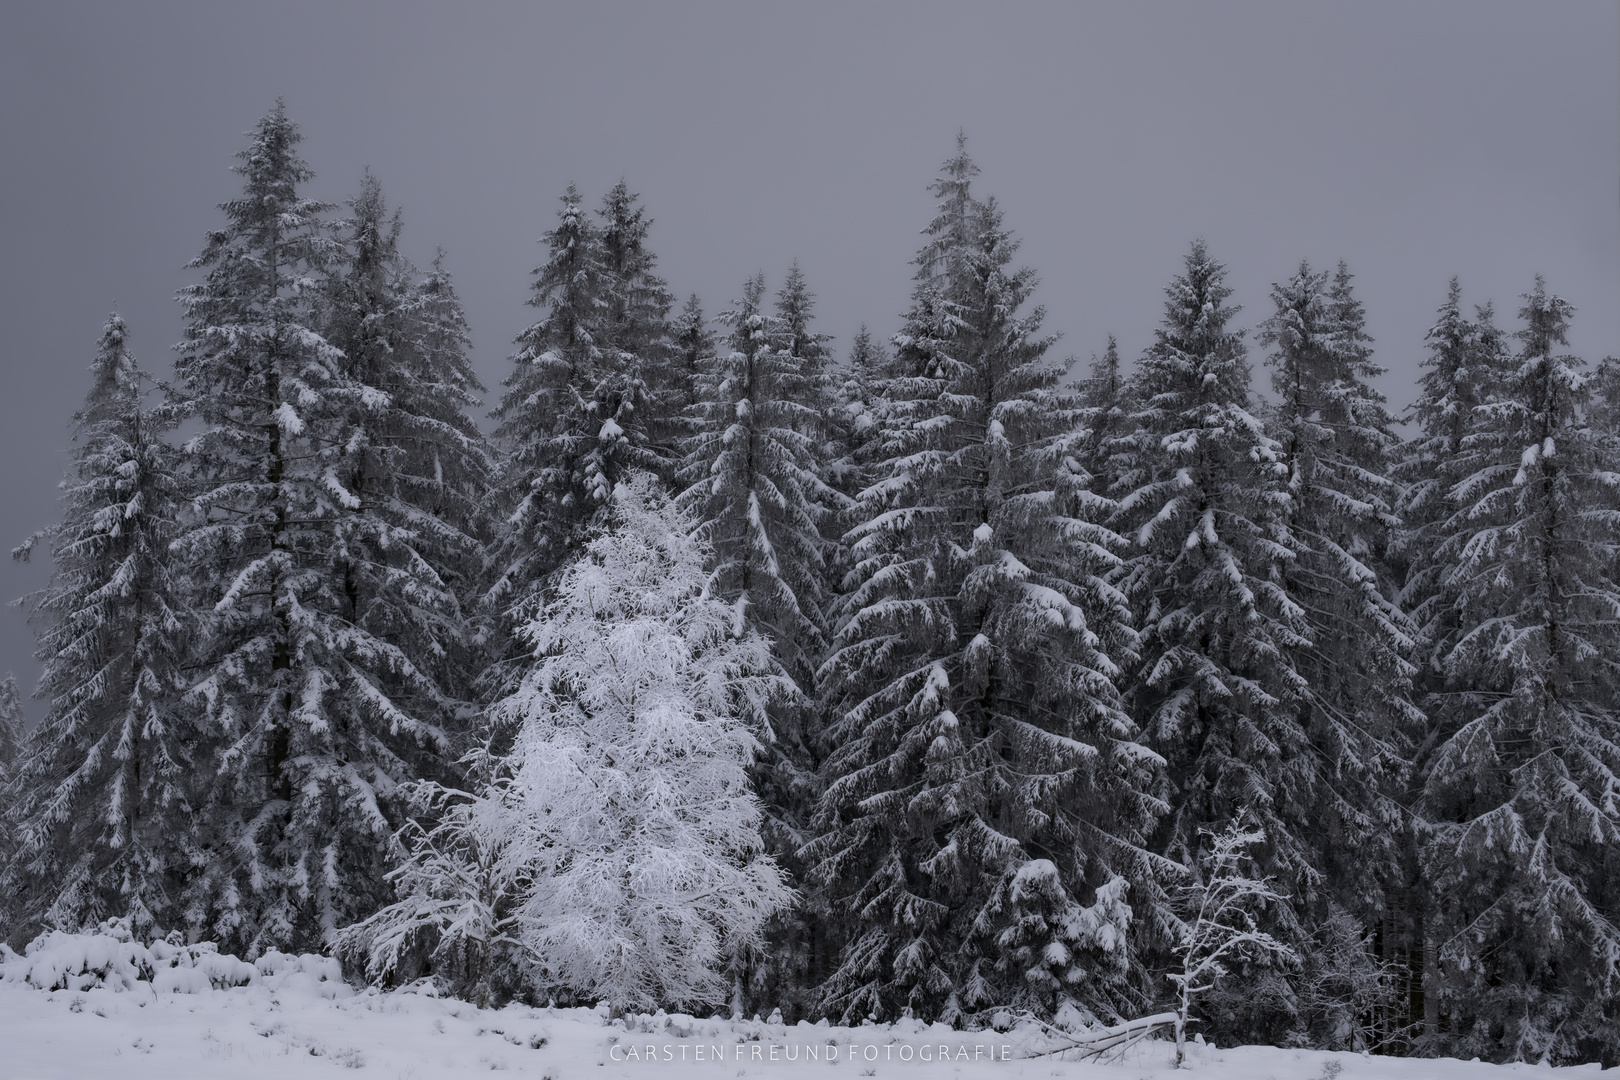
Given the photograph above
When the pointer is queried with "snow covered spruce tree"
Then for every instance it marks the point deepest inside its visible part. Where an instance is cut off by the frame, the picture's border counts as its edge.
(99, 802)
(1338, 442)
(318, 710)
(577, 408)
(11, 724)
(857, 418)
(692, 346)
(1106, 412)
(1203, 493)
(1468, 365)
(413, 462)
(986, 799)
(550, 481)
(755, 484)
(795, 310)
(1518, 797)
(646, 374)
(630, 769)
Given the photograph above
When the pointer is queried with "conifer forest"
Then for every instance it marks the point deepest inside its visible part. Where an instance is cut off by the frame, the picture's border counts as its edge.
(710, 663)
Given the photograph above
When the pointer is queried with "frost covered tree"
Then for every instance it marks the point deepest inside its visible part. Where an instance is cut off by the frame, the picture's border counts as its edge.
(318, 710)
(1350, 995)
(978, 730)
(99, 802)
(1220, 922)
(1203, 494)
(1518, 798)
(1338, 442)
(629, 770)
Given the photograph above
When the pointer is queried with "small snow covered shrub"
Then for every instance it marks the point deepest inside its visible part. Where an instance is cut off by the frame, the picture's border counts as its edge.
(197, 968)
(460, 877)
(111, 958)
(55, 960)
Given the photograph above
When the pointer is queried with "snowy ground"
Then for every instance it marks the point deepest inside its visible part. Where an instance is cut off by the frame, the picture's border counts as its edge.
(293, 1019)
(254, 1032)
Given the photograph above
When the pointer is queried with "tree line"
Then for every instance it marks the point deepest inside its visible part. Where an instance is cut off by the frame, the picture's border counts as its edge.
(944, 673)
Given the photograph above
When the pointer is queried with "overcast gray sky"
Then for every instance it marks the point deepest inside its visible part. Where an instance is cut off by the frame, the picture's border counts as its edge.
(1415, 140)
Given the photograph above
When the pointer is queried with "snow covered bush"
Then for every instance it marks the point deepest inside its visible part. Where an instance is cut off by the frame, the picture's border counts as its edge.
(55, 960)
(111, 957)
(1349, 996)
(460, 879)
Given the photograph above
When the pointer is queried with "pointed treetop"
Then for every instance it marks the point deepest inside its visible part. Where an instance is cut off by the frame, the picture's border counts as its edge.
(1105, 369)
(795, 306)
(626, 223)
(376, 232)
(269, 161)
(1193, 341)
(116, 380)
(950, 231)
(1546, 320)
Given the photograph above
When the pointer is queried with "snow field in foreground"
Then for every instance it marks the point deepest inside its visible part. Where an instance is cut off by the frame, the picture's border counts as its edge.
(307, 1028)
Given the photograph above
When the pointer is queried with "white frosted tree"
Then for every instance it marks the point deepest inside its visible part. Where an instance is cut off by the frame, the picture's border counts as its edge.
(99, 800)
(978, 731)
(1521, 824)
(1221, 908)
(630, 769)
(1203, 493)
